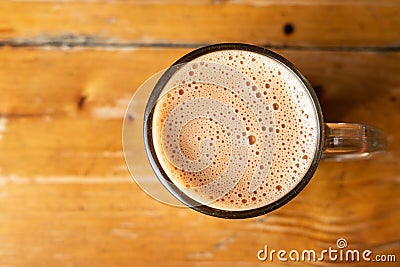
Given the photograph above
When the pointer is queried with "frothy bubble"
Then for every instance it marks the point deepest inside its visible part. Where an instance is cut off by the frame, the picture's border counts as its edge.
(234, 130)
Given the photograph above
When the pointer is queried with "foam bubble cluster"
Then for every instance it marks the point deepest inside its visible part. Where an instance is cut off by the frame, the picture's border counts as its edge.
(235, 130)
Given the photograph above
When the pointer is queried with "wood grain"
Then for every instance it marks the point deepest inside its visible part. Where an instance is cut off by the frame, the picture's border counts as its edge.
(67, 72)
(75, 100)
(325, 24)
(100, 82)
(116, 224)
(84, 209)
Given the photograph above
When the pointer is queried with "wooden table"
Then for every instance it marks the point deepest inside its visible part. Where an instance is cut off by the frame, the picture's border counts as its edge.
(69, 68)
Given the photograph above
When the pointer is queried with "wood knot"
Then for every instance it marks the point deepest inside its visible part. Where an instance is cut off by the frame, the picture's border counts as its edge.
(81, 102)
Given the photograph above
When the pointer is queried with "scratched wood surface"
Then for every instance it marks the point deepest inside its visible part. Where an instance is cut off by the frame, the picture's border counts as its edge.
(67, 72)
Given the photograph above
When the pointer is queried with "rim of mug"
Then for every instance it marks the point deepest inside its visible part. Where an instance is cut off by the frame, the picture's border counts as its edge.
(166, 181)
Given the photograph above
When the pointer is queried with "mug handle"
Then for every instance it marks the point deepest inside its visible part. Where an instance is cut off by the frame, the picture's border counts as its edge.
(344, 141)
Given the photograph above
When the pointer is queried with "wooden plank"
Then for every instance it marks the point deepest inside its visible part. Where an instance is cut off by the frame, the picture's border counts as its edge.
(118, 225)
(87, 147)
(61, 146)
(36, 81)
(100, 82)
(326, 24)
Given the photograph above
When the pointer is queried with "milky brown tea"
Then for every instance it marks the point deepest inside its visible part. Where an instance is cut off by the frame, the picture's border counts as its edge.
(235, 130)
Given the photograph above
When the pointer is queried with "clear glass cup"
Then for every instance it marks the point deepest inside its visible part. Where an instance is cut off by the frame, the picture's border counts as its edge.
(335, 141)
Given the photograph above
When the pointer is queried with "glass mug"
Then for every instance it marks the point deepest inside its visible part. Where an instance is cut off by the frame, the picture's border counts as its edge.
(233, 131)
